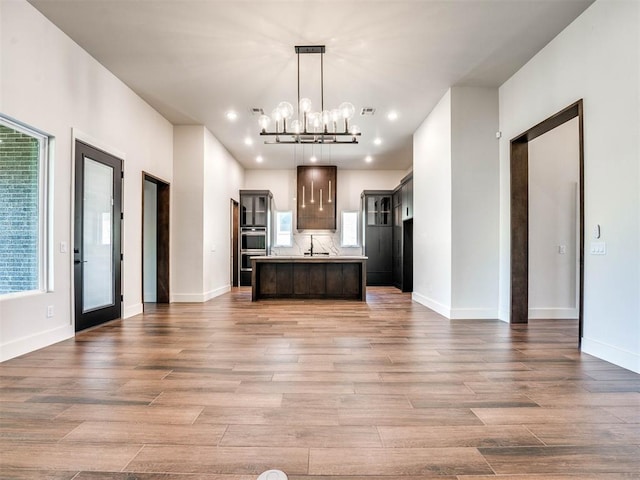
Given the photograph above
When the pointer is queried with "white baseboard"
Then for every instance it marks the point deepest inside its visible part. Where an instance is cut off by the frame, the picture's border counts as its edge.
(199, 297)
(611, 354)
(474, 314)
(432, 304)
(456, 313)
(132, 310)
(553, 313)
(217, 292)
(28, 344)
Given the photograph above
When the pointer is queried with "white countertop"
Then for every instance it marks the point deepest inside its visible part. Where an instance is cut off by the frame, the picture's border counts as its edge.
(332, 258)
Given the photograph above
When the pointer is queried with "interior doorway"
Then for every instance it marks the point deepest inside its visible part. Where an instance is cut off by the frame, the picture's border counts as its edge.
(520, 213)
(155, 239)
(235, 245)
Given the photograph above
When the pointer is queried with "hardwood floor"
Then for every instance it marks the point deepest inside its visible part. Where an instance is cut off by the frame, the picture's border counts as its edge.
(321, 390)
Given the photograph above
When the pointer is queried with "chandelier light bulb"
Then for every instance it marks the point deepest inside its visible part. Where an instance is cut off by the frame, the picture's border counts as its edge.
(286, 110)
(315, 120)
(305, 105)
(347, 109)
(354, 130)
(264, 121)
(296, 126)
(326, 117)
(276, 115)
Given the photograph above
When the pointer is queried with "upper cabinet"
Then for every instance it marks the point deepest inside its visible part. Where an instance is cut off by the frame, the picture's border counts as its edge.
(378, 209)
(255, 208)
(406, 187)
(316, 197)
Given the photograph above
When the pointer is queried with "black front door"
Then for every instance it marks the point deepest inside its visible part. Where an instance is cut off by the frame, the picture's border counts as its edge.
(97, 237)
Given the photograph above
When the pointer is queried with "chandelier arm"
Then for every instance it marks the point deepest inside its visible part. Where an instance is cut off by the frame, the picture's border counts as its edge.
(298, 109)
(322, 82)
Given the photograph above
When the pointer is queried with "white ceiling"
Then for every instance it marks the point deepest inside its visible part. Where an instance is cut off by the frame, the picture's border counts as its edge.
(195, 60)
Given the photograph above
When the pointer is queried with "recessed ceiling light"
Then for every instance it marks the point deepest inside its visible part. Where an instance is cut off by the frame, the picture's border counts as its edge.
(377, 141)
(313, 159)
(392, 115)
(368, 159)
(248, 141)
(231, 115)
(259, 159)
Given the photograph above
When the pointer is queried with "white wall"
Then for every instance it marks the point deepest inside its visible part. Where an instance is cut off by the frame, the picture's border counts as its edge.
(187, 194)
(223, 178)
(554, 176)
(50, 83)
(596, 58)
(456, 204)
(350, 184)
(475, 202)
(207, 177)
(432, 209)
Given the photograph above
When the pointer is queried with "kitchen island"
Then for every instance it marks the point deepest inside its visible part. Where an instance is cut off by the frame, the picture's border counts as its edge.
(317, 276)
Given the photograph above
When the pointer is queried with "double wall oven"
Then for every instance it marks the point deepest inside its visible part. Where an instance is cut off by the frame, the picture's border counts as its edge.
(255, 224)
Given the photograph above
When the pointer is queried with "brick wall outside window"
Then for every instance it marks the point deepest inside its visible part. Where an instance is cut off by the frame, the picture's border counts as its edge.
(19, 222)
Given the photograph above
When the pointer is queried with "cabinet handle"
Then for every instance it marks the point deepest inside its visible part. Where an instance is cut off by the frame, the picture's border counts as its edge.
(407, 211)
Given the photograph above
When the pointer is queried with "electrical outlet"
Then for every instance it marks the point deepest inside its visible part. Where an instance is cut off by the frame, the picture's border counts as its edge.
(562, 249)
(50, 311)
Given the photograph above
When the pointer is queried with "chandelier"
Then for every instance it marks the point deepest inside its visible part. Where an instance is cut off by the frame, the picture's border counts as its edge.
(322, 126)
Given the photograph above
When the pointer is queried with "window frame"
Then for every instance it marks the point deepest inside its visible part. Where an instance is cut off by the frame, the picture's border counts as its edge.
(46, 144)
(276, 230)
(357, 227)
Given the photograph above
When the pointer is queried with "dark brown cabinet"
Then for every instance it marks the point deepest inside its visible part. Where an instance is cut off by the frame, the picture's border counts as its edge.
(316, 197)
(291, 277)
(378, 236)
(403, 235)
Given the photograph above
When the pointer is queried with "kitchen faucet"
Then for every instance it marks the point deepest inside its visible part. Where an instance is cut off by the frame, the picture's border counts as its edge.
(311, 249)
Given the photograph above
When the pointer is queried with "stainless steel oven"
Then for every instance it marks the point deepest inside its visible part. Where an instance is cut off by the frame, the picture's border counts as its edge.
(247, 255)
(253, 239)
(253, 243)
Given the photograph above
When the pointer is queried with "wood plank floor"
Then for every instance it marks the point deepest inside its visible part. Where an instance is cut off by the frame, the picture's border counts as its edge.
(321, 390)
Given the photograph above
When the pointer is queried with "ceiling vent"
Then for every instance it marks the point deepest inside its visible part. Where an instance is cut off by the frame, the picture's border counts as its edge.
(367, 111)
(256, 111)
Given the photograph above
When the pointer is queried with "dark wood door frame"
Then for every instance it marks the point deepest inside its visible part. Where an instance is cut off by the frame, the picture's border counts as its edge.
(92, 317)
(520, 212)
(162, 237)
(235, 243)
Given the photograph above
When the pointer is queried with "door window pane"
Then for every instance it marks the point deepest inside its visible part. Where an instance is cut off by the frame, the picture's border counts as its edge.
(97, 235)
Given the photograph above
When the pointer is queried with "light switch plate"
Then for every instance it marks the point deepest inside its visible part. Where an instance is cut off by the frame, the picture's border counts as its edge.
(598, 248)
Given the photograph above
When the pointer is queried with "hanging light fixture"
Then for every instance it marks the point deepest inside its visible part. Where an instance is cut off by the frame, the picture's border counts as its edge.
(322, 126)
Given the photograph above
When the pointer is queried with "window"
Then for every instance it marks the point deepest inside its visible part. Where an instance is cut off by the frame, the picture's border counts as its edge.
(23, 208)
(284, 229)
(349, 234)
